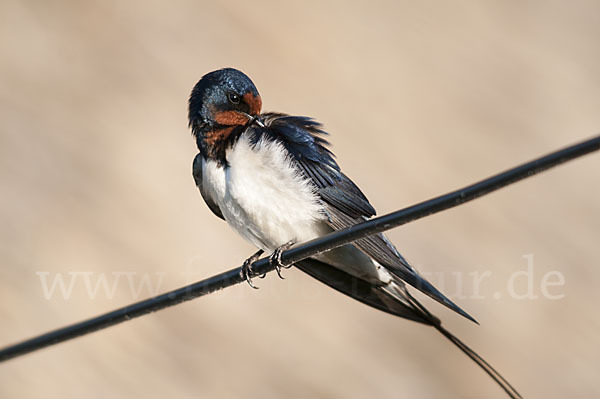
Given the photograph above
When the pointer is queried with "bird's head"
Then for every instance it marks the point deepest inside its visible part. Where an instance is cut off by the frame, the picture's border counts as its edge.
(221, 105)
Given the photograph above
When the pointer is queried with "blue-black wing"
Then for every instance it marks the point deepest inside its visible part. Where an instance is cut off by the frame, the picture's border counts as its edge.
(197, 173)
(343, 201)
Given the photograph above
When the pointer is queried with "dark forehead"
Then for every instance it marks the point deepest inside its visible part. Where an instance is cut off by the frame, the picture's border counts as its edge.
(230, 78)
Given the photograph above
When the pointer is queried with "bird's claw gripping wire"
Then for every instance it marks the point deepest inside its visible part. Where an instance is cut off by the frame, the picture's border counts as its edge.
(246, 272)
(275, 258)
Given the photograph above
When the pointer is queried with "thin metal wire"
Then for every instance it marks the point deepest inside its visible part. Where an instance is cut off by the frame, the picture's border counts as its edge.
(321, 244)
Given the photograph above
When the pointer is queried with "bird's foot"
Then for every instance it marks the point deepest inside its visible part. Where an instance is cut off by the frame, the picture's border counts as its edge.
(275, 258)
(246, 272)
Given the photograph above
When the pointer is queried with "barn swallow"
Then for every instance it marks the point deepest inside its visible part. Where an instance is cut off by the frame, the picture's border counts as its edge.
(273, 179)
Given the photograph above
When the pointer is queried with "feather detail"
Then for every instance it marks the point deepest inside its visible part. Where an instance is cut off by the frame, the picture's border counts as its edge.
(344, 203)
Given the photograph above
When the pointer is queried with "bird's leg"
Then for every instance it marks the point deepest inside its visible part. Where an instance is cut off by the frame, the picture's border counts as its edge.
(275, 258)
(247, 268)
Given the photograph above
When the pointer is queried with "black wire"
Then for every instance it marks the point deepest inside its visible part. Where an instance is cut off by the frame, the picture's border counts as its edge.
(305, 250)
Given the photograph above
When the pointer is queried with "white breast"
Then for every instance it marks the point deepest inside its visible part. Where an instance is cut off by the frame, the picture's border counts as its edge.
(262, 196)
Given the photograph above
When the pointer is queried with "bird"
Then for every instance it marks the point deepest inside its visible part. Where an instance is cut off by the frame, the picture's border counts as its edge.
(273, 178)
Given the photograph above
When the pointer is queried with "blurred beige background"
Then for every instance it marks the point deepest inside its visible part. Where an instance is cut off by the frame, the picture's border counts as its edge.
(420, 98)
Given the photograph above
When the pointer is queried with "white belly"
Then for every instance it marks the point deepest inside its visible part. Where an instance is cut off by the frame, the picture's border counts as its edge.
(263, 197)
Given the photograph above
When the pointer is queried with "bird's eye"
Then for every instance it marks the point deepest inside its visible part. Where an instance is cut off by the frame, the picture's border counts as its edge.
(233, 98)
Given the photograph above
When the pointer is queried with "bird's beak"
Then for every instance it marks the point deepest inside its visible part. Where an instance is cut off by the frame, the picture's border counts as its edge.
(253, 119)
(256, 119)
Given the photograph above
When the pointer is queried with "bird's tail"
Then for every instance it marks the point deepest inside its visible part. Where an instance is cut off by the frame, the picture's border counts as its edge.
(496, 376)
(435, 322)
(395, 299)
